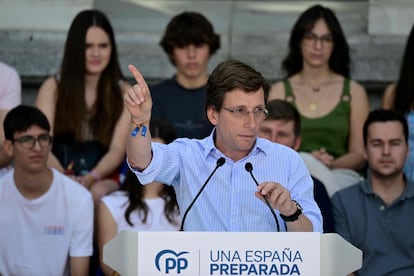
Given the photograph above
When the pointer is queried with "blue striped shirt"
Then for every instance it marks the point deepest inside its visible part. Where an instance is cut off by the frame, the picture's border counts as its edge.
(228, 202)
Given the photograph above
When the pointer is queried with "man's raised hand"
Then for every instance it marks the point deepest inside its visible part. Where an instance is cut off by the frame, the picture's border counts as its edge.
(138, 98)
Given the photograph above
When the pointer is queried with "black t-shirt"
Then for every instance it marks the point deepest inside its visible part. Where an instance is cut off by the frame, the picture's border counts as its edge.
(184, 108)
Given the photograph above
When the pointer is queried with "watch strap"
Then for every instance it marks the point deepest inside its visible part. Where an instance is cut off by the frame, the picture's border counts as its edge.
(295, 215)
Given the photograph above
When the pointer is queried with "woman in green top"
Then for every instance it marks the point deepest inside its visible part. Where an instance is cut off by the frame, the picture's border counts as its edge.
(333, 107)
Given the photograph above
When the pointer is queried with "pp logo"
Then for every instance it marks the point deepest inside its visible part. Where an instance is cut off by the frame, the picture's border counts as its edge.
(168, 261)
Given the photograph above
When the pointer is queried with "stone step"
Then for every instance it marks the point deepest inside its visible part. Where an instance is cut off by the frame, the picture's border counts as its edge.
(255, 32)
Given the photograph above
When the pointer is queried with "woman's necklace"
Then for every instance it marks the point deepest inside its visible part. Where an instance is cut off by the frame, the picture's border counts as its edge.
(315, 89)
(313, 103)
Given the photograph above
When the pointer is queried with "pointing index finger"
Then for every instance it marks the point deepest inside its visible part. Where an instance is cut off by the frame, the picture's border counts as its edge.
(138, 76)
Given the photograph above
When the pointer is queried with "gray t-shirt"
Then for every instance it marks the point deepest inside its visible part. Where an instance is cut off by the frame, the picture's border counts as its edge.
(384, 233)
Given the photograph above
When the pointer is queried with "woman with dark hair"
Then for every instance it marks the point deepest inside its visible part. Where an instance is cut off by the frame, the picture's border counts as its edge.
(151, 207)
(400, 98)
(84, 104)
(332, 106)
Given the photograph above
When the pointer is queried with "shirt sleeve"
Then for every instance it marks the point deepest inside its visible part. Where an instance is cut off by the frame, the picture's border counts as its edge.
(81, 242)
(164, 166)
(301, 189)
(10, 90)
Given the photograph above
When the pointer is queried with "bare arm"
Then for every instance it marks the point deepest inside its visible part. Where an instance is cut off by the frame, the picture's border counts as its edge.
(139, 103)
(354, 159)
(277, 91)
(79, 266)
(5, 159)
(107, 230)
(388, 97)
(46, 102)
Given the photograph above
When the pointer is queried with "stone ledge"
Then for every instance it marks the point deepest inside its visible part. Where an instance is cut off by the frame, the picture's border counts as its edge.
(255, 32)
(38, 54)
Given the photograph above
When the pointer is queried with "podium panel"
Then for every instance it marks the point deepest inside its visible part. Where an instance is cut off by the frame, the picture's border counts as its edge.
(225, 253)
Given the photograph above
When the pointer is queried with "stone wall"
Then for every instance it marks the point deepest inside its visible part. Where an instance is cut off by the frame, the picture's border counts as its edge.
(33, 32)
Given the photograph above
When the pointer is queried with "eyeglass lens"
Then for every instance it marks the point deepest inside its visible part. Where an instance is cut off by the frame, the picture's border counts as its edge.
(29, 142)
(311, 39)
(258, 113)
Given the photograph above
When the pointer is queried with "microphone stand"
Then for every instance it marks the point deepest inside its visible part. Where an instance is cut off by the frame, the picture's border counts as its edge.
(220, 162)
(249, 168)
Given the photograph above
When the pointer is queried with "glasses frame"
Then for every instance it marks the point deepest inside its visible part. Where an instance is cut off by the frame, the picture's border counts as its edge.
(311, 39)
(241, 112)
(24, 140)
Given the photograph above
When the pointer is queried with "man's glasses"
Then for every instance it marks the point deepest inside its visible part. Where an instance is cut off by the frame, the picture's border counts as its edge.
(28, 142)
(311, 39)
(259, 113)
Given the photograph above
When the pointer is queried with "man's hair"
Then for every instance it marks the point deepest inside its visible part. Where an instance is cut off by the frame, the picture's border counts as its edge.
(189, 28)
(230, 75)
(285, 111)
(383, 115)
(21, 118)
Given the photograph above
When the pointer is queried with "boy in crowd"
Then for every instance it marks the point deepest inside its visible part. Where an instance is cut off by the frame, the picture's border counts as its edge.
(189, 41)
(45, 217)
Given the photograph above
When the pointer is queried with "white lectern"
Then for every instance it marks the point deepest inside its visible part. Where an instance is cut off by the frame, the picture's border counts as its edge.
(134, 253)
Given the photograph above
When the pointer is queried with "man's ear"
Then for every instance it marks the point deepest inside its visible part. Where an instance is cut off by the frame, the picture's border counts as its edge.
(172, 59)
(212, 115)
(365, 155)
(298, 142)
(7, 147)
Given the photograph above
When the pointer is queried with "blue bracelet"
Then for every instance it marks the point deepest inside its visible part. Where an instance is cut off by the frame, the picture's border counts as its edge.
(137, 127)
(134, 132)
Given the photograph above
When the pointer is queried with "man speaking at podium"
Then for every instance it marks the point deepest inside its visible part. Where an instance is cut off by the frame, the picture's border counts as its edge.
(231, 180)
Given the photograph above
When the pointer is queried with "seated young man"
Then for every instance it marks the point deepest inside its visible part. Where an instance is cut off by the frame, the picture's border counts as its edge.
(45, 217)
(375, 214)
(190, 42)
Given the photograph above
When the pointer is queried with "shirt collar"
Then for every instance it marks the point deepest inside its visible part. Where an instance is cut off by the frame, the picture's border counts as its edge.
(408, 191)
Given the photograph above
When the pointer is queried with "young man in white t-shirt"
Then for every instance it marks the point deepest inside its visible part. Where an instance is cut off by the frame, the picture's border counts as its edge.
(46, 218)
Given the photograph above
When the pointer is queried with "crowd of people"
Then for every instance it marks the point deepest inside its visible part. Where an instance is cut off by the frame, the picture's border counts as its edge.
(130, 157)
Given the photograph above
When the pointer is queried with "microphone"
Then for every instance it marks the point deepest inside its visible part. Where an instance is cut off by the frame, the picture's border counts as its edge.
(249, 169)
(220, 162)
